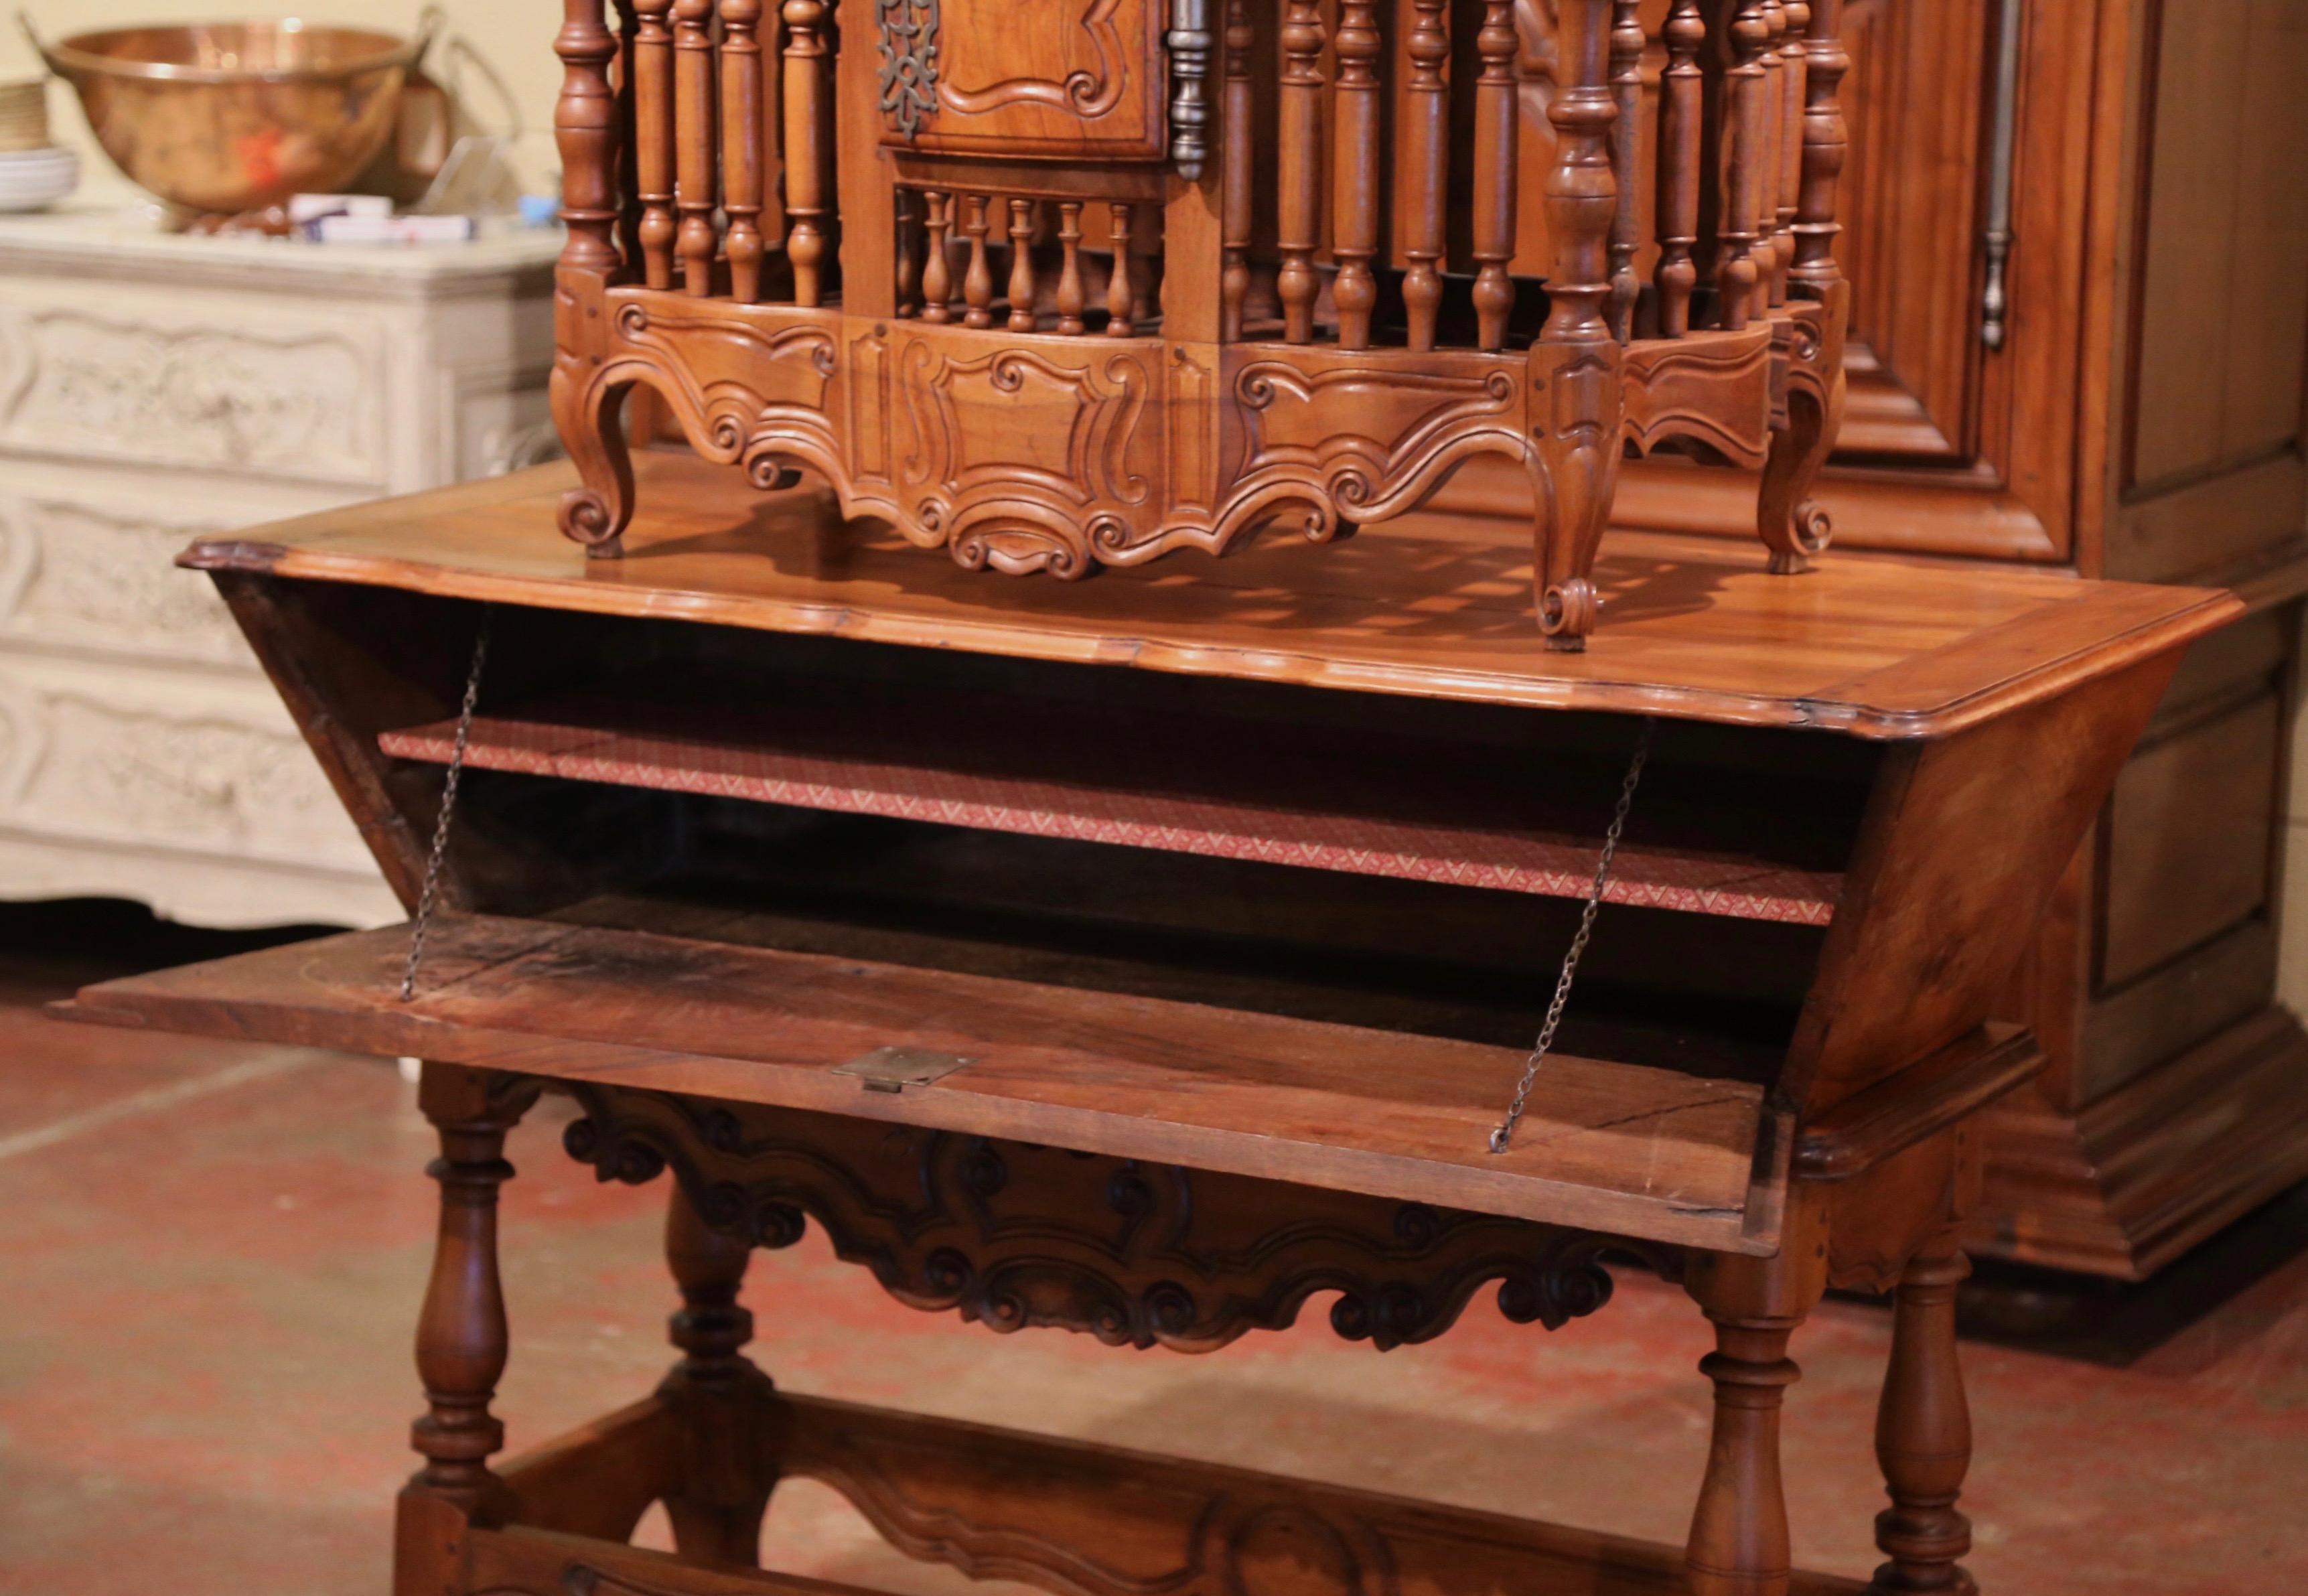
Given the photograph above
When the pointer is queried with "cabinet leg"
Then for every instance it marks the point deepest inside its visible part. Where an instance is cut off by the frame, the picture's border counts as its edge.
(725, 1492)
(1739, 1543)
(1575, 460)
(1922, 1431)
(1791, 524)
(460, 1334)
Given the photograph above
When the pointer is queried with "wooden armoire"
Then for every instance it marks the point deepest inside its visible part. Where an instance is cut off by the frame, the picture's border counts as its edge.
(2079, 246)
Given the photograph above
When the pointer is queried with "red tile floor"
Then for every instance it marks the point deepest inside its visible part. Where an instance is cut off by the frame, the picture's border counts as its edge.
(211, 1257)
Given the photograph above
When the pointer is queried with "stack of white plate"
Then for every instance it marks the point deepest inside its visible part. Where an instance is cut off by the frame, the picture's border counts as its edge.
(33, 172)
(31, 178)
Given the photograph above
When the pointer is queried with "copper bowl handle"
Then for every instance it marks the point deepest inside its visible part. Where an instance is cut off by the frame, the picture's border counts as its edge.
(32, 38)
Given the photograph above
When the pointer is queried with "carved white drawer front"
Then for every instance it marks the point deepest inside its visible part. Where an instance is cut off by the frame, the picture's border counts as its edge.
(156, 389)
(131, 757)
(97, 574)
(279, 393)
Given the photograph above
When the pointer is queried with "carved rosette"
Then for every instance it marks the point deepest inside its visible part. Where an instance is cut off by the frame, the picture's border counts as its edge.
(1138, 1255)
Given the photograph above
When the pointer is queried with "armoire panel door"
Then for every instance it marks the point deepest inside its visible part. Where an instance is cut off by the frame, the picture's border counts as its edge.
(1052, 79)
(1936, 400)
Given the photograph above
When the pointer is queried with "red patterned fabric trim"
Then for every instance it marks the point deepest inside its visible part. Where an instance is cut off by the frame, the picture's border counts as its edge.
(1139, 815)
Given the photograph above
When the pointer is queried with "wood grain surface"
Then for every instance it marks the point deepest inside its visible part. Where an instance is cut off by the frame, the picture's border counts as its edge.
(1426, 606)
(1627, 1148)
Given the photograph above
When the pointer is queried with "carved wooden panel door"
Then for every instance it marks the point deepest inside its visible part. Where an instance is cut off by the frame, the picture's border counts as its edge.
(1964, 202)
(1058, 79)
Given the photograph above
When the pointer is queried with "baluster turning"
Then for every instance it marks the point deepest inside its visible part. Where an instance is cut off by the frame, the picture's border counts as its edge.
(694, 186)
(1496, 177)
(741, 144)
(805, 90)
(1236, 172)
(1682, 91)
(937, 265)
(1627, 42)
(1426, 167)
(1298, 232)
(1021, 265)
(1354, 202)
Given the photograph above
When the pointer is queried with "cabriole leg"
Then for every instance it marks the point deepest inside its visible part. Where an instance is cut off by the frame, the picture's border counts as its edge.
(591, 420)
(717, 1513)
(1792, 525)
(1576, 457)
(1922, 1431)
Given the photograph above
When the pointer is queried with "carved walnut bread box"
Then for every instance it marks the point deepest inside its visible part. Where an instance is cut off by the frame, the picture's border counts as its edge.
(1148, 956)
(1055, 285)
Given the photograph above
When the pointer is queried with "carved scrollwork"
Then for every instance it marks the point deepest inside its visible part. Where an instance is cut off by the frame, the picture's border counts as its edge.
(1139, 1255)
(1364, 441)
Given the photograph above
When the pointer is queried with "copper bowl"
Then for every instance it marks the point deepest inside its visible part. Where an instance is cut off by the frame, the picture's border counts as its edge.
(232, 117)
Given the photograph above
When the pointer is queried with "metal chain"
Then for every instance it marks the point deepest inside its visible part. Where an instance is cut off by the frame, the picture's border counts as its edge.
(432, 891)
(1502, 1137)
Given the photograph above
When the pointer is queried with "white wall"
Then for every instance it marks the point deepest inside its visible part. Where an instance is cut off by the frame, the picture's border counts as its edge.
(514, 37)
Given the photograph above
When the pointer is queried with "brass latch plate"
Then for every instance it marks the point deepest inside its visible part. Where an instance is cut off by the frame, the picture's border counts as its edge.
(893, 1069)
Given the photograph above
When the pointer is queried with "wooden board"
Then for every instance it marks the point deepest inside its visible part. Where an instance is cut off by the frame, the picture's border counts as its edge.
(1692, 627)
(1361, 801)
(1606, 1146)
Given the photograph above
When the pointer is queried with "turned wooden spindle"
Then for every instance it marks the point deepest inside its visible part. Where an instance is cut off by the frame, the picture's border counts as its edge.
(1072, 298)
(1825, 145)
(1354, 171)
(1496, 126)
(1121, 288)
(1770, 290)
(977, 276)
(806, 91)
(651, 73)
(1739, 1543)
(1739, 237)
(1922, 1431)
(716, 1514)
(1236, 172)
(1298, 233)
(1423, 170)
(937, 265)
(1681, 119)
(1022, 266)
(741, 145)
(1794, 82)
(585, 132)
(1582, 186)
(461, 1334)
(694, 196)
(1627, 44)
(906, 268)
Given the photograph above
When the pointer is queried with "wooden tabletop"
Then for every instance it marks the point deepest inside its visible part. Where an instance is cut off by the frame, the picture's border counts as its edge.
(1693, 627)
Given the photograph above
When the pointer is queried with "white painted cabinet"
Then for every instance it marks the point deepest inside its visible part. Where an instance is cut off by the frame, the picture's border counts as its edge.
(155, 389)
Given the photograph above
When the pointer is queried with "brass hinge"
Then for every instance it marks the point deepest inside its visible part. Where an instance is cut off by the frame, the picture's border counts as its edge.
(893, 1069)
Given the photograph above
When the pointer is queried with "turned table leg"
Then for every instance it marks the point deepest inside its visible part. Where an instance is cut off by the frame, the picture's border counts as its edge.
(461, 1338)
(1739, 1542)
(1922, 1431)
(717, 1513)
